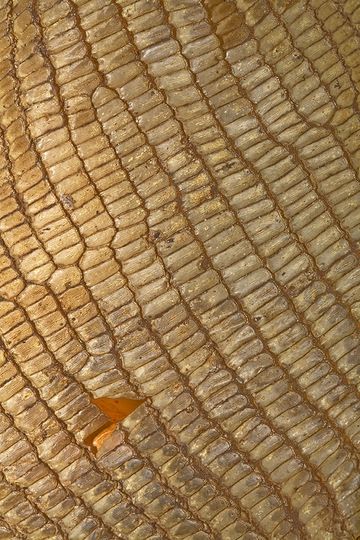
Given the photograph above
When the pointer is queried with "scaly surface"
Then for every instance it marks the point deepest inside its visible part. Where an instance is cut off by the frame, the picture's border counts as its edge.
(180, 225)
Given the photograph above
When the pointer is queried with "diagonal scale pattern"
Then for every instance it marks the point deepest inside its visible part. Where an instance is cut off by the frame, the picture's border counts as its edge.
(179, 269)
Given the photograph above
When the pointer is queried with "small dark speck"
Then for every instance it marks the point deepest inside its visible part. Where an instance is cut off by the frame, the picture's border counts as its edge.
(257, 318)
(67, 201)
(204, 263)
(226, 166)
(170, 241)
(156, 234)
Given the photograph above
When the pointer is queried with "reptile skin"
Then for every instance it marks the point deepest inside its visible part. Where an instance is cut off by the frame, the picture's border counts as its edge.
(179, 269)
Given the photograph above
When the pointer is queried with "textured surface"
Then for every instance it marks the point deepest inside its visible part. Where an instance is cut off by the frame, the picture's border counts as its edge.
(179, 219)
